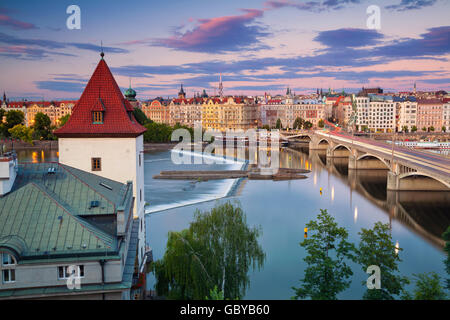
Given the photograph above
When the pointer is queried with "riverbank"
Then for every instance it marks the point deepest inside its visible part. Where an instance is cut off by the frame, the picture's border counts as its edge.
(53, 145)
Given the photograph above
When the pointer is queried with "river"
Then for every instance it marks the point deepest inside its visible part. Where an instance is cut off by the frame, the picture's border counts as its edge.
(355, 199)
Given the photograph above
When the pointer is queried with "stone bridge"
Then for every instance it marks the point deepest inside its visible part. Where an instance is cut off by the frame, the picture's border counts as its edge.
(409, 170)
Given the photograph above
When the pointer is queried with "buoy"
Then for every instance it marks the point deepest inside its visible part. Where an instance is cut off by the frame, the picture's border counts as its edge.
(306, 233)
(321, 191)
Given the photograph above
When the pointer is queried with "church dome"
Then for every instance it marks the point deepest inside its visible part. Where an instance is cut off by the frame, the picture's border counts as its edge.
(130, 94)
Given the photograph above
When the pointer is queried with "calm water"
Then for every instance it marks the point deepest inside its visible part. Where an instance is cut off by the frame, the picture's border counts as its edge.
(356, 200)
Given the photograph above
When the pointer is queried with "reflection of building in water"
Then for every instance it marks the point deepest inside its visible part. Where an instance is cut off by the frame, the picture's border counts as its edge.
(425, 213)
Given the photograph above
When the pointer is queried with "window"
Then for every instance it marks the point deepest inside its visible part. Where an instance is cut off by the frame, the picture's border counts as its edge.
(8, 264)
(7, 260)
(139, 160)
(97, 117)
(63, 272)
(96, 164)
(9, 276)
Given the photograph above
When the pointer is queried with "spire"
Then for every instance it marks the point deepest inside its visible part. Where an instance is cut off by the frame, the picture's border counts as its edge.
(118, 118)
(220, 86)
(102, 54)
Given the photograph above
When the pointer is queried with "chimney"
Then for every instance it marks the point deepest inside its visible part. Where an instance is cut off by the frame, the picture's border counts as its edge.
(8, 172)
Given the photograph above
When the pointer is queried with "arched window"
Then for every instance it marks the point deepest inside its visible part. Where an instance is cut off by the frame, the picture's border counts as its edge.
(7, 267)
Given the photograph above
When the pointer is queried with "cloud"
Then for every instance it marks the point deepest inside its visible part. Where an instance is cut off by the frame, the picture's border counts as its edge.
(8, 21)
(405, 5)
(349, 37)
(50, 45)
(52, 85)
(28, 53)
(435, 42)
(313, 6)
(219, 35)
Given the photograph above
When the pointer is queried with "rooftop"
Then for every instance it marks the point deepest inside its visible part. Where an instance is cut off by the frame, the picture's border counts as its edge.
(49, 213)
(102, 91)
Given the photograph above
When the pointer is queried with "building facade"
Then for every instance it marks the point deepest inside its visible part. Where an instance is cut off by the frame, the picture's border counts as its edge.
(103, 137)
(429, 114)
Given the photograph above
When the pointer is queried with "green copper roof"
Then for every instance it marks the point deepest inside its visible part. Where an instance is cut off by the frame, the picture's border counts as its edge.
(46, 227)
(75, 187)
(48, 213)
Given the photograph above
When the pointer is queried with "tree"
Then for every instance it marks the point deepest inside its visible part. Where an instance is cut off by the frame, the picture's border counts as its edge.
(13, 118)
(431, 129)
(413, 129)
(327, 272)
(63, 120)
(443, 129)
(446, 237)
(22, 132)
(279, 125)
(376, 248)
(298, 123)
(321, 123)
(405, 129)
(217, 250)
(424, 129)
(140, 116)
(307, 125)
(42, 126)
(428, 287)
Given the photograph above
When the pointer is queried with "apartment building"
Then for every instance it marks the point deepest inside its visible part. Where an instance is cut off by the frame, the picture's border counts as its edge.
(429, 114)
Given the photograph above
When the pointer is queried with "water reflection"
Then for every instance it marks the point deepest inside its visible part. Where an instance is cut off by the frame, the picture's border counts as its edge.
(426, 213)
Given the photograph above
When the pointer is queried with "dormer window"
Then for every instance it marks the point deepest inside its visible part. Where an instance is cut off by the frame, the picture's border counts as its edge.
(97, 117)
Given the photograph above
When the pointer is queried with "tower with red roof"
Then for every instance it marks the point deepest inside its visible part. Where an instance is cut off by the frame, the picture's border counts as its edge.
(103, 137)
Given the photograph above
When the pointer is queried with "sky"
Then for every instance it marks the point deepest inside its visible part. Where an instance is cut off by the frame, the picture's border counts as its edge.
(258, 46)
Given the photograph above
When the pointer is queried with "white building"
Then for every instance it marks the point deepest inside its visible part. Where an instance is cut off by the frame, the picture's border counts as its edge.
(376, 113)
(103, 137)
(446, 116)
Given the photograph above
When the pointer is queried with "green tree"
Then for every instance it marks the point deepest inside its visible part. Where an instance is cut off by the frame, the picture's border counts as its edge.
(13, 118)
(376, 248)
(63, 120)
(424, 129)
(327, 273)
(42, 126)
(140, 116)
(298, 123)
(307, 125)
(22, 132)
(279, 125)
(405, 129)
(428, 287)
(218, 249)
(444, 129)
(321, 123)
(446, 237)
(431, 129)
(413, 129)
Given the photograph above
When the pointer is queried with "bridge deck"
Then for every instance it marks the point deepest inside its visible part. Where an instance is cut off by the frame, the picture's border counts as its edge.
(418, 160)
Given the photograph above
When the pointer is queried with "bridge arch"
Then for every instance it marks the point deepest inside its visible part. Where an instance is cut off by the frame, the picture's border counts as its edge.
(422, 180)
(341, 151)
(368, 156)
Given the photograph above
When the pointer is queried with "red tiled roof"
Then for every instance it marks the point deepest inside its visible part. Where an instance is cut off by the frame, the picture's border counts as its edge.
(102, 91)
(429, 101)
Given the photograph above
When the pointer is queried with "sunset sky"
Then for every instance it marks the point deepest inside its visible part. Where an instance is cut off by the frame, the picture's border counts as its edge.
(258, 46)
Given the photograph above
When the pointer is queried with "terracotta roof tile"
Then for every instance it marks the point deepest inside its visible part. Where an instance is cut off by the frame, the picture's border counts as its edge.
(118, 120)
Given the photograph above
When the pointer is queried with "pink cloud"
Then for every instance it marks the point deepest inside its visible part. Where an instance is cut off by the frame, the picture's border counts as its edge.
(7, 21)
